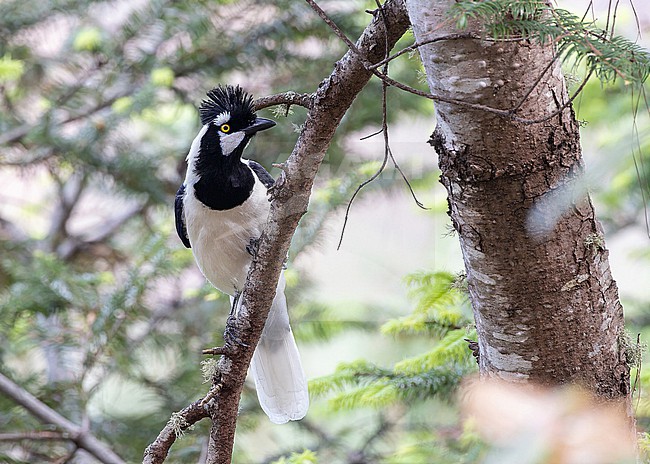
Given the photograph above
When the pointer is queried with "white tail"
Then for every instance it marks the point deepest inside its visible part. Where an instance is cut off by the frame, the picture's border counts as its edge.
(279, 379)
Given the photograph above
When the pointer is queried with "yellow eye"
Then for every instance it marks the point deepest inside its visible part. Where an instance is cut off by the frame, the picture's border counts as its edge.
(225, 128)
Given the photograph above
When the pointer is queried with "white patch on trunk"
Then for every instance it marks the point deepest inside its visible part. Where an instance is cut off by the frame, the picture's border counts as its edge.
(596, 350)
(474, 254)
(484, 278)
(607, 322)
(512, 376)
(509, 366)
(466, 85)
(518, 337)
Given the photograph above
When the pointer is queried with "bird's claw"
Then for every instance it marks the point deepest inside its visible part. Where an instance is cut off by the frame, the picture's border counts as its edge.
(253, 246)
(230, 335)
(231, 339)
(275, 189)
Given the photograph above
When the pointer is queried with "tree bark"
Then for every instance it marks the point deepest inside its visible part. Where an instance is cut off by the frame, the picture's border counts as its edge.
(544, 300)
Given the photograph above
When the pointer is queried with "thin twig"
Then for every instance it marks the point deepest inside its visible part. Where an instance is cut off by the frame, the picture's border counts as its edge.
(384, 129)
(384, 111)
(565, 105)
(636, 20)
(387, 150)
(417, 45)
(356, 192)
(366, 137)
(639, 170)
(339, 33)
(523, 99)
(286, 98)
(589, 7)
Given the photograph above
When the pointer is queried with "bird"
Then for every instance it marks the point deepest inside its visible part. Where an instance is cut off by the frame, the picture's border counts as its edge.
(221, 209)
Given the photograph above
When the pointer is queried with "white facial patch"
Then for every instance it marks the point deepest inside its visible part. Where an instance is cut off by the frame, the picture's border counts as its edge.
(222, 118)
(230, 141)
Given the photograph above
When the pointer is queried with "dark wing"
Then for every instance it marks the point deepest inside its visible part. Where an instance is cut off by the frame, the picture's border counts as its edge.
(263, 175)
(180, 220)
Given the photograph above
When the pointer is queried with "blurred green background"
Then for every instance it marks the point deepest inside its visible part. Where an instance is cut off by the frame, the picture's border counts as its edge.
(103, 313)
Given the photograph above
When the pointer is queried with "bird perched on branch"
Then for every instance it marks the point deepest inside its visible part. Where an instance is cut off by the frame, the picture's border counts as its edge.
(221, 209)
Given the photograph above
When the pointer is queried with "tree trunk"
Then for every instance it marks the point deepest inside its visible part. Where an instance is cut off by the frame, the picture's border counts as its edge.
(544, 300)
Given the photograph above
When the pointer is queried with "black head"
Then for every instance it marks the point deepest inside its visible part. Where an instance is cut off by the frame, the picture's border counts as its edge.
(219, 179)
(227, 99)
(229, 112)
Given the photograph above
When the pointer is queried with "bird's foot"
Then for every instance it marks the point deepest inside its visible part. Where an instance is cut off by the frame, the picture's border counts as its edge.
(275, 189)
(253, 246)
(231, 338)
(231, 334)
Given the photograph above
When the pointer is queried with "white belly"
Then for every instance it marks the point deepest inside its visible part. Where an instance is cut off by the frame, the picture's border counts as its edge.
(219, 238)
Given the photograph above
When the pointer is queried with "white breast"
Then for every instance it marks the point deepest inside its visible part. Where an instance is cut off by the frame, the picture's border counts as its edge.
(219, 238)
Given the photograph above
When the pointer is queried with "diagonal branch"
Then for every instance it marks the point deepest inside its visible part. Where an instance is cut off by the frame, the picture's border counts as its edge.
(290, 199)
(81, 437)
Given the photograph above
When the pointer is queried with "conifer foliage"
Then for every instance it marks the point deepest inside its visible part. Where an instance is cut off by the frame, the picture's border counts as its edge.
(607, 55)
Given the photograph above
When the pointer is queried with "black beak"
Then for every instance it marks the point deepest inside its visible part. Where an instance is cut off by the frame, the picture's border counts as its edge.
(260, 124)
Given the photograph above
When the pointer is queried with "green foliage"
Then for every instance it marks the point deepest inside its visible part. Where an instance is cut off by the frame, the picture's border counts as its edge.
(609, 56)
(10, 69)
(306, 457)
(425, 447)
(418, 382)
(321, 322)
(441, 306)
(162, 77)
(88, 39)
(452, 348)
(435, 373)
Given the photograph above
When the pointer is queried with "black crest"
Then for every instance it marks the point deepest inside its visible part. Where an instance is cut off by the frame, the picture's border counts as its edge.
(227, 98)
